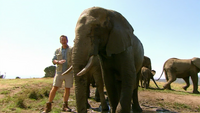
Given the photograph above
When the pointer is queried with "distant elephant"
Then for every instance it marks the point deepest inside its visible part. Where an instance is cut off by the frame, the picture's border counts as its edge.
(146, 62)
(94, 75)
(108, 34)
(182, 68)
(2, 76)
(17, 77)
(146, 75)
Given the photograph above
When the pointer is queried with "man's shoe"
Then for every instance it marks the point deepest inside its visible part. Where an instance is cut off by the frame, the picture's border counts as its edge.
(65, 107)
(47, 108)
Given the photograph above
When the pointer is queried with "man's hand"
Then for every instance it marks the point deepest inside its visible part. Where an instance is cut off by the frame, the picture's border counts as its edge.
(61, 61)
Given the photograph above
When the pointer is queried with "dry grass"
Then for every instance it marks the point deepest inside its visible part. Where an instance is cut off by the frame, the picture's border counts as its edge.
(30, 95)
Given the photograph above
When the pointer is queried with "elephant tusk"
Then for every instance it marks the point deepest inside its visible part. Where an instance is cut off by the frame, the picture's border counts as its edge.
(87, 67)
(68, 70)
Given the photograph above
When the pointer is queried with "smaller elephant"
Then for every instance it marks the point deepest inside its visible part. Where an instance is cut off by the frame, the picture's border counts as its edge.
(182, 68)
(146, 75)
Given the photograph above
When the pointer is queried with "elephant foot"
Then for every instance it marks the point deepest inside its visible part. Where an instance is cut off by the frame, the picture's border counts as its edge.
(106, 108)
(185, 88)
(136, 108)
(88, 106)
(196, 92)
(167, 87)
(97, 99)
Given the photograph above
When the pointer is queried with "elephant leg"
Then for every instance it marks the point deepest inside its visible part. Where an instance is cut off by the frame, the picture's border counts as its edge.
(135, 105)
(100, 89)
(195, 79)
(148, 81)
(145, 83)
(111, 89)
(186, 79)
(97, 96)
(170, 77)
(142, 82)
(88, 92)
(103, 100)
(141, 79)
(128, 82)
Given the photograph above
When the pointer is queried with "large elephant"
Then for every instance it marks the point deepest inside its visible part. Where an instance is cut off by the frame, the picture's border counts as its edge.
(93, 75)
(146, 75)
(182, 68)
(108, 34)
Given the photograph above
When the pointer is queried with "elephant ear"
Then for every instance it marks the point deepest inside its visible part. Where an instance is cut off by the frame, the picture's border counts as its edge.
(153, 72)
(196, 62)
(120, 37)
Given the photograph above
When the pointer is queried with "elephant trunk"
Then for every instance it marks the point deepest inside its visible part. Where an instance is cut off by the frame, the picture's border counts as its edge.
(155, 82)
(81, 53)
(78, 63)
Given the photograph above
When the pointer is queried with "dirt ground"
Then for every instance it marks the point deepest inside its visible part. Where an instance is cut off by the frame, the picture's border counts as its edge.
(160, 102)
(151, 100)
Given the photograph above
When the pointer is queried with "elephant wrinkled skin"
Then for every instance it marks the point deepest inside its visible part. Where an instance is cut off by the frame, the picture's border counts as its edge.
(108, 34)
(182, 68)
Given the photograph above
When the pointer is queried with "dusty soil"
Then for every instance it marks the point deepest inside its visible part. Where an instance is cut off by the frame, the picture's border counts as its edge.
(153, 101)
(161, 102)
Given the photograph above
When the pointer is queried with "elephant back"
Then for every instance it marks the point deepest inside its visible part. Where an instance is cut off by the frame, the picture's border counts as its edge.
(147, 62)
(196, 62)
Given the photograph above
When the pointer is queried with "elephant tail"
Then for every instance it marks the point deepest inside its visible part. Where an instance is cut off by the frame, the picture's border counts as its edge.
(160, 75)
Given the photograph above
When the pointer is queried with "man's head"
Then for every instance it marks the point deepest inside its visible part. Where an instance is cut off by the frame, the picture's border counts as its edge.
(63, 40)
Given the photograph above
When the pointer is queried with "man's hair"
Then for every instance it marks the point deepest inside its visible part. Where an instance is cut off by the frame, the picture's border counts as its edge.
(64, 36)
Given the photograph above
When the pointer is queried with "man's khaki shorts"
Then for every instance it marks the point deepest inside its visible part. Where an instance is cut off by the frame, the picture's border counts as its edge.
(58, 80)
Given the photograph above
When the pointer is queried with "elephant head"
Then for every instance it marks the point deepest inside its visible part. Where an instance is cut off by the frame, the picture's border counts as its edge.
(105, 33)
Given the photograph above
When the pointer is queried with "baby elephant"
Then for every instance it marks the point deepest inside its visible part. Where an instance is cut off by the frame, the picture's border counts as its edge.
(146, 75)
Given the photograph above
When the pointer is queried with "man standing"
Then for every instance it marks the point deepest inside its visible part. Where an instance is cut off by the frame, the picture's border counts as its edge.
(61, 58)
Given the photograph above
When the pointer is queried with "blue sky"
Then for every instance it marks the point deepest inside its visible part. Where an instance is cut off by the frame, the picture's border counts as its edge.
(30, 30)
